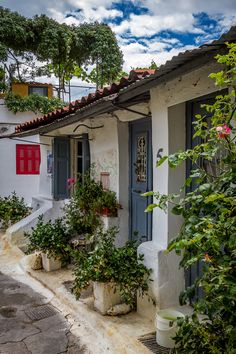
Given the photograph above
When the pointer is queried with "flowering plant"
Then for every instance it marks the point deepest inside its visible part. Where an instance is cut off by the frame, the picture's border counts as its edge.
(208, 232)
(71, 182)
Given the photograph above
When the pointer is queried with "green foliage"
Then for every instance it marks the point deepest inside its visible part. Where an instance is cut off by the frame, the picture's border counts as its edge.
(106, 263)
(106, 202)
(51, 238)
(12, 210)
(80, 216)
(67, 50)
(34, 103)
(208, 234)
(82, 213)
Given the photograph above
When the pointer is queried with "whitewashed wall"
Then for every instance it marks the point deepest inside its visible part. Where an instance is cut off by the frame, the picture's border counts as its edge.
(45, 182)
(24, 185)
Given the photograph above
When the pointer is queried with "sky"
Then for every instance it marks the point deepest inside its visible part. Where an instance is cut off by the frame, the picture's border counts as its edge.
(146, 30)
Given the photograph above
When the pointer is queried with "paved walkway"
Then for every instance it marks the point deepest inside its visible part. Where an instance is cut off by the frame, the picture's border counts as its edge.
(75, 328)
(31, 325)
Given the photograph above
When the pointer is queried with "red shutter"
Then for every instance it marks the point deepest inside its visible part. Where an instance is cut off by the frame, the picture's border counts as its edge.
(27, 159)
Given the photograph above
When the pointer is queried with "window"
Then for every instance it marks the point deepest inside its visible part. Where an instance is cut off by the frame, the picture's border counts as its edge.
(27, 159)
(79, 159)
(39, 90)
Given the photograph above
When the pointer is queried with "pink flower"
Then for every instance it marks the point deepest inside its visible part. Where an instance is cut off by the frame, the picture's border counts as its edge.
(71, 182)
(223, 131)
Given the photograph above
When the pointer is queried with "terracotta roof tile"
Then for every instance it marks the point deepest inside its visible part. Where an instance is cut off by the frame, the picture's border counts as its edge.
(85, 101)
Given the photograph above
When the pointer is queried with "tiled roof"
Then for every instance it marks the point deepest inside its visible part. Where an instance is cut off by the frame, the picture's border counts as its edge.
(84, 101)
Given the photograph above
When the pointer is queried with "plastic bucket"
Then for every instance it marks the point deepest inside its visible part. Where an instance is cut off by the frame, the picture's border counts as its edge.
(166, 325)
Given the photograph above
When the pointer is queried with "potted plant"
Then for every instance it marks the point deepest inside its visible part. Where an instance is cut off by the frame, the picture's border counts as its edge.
(80, 215)
(51, 238)
(88, 204)
(118, 274)
(107, 204)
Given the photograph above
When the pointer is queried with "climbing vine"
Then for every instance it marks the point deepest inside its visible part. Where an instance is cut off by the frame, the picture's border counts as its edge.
(208, 233)
(62, 50)
(33, 103)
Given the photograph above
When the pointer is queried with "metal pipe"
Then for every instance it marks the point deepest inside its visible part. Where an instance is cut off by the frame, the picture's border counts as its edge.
(87, 126)
(131, 110)
(27, 141)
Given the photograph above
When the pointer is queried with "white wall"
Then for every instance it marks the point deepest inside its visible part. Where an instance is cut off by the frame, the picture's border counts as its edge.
(25, 186)
(45, 182)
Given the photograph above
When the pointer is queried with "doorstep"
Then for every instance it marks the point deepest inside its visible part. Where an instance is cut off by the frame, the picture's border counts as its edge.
(120, 334)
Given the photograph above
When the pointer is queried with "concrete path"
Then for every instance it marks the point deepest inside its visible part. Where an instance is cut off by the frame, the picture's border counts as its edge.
(75, 328)
(29, 324)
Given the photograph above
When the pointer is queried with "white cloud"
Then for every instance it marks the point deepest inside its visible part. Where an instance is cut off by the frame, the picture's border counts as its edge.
(149, 25)
(137, 55)
(96, 14)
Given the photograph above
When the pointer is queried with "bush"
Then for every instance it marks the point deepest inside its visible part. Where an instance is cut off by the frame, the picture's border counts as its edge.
(106, 263)
(51, 238)
(82, 213)
(12, 210)
(34, 103)
(208, 233)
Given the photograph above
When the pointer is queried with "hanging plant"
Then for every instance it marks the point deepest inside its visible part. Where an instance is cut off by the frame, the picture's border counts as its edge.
(32, 103)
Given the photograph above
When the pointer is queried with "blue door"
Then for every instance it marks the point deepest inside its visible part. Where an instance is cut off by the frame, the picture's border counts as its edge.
(140, 179)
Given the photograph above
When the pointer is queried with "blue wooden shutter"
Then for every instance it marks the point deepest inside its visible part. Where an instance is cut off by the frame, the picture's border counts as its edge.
(61, 169)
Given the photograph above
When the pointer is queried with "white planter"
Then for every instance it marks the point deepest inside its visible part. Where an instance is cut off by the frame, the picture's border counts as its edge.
(105, 297)
(166, 325)
(50, 264)
(35, 261)
(109, 222)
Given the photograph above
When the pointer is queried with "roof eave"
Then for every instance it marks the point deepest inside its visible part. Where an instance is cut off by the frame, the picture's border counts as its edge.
(98, 107)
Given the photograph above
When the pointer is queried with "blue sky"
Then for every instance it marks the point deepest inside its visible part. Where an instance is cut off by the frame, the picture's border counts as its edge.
(146, 30)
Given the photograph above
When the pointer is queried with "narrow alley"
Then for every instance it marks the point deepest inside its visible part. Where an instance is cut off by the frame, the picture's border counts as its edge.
(31, 325)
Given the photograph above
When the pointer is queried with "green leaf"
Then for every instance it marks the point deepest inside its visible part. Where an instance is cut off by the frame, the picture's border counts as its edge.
(147, 194)
(161, 161)
(150, 207)
(214, 197)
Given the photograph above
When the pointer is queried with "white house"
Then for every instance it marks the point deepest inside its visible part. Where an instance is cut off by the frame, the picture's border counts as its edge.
(124, 129)
(20, 158)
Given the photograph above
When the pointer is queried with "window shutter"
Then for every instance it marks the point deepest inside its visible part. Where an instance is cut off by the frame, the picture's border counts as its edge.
(61, 168)
(27, 159)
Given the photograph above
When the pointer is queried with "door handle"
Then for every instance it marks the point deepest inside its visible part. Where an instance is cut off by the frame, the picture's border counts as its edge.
(137, 191)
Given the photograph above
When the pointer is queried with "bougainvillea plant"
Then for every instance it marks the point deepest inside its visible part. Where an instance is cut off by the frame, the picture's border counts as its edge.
(208, 233)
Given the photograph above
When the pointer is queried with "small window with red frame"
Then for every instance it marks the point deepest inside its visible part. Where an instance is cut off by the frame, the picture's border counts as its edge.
(27, 159)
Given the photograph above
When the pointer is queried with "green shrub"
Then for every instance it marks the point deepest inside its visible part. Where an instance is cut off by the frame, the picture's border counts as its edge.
(51, 238)
(82, 213)
(106, 263)
(208, 233)
(12, 210)
(34, 103)
(107, 203)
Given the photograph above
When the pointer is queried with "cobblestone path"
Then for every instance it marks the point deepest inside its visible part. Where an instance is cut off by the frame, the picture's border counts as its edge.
(29, 325)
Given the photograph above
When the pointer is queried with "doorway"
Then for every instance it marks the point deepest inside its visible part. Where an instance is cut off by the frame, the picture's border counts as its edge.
(140, 137)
